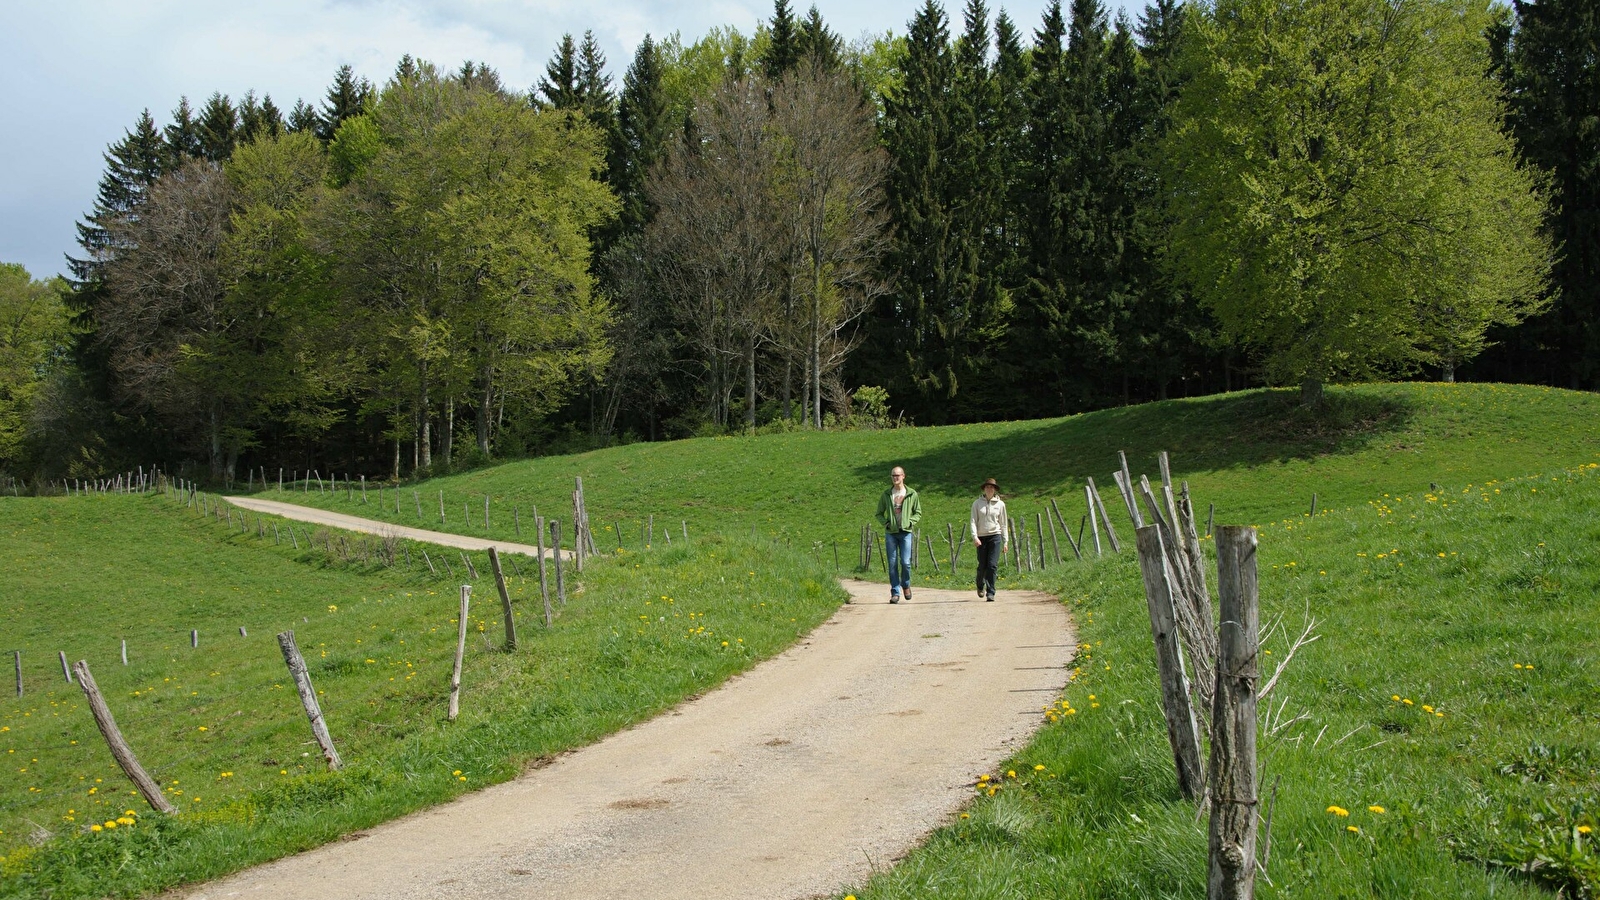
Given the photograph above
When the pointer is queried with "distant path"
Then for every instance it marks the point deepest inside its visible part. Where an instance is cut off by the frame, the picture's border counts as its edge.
(793, 780)
(373, 526)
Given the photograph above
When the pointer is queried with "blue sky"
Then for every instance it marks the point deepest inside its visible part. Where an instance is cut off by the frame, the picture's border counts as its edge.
(74, 74)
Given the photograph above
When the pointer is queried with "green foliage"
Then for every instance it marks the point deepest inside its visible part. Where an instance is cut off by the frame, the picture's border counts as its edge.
(34, 334)
(1343, 197)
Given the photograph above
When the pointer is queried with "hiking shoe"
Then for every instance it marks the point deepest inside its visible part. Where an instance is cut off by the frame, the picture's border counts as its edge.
(991, 598)
(908, 594)
(894, 598)
(980, 594)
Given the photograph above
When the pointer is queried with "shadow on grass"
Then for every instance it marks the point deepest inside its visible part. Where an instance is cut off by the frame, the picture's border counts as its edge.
(1208, 434)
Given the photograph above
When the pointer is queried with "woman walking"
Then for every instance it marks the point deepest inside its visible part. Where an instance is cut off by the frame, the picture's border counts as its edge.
(989, 536)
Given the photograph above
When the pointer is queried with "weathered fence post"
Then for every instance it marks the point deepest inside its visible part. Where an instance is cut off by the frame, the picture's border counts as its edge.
(1094, 526)
(461, 650)
(1232, 774)
(544, 582)
(18, 655)
(124, 651)
(1076, 551)
(147, 786)
(65, 671)
(561, 580)
(1105, 519)
(1182, 732)
(505, 598)
(308, 698)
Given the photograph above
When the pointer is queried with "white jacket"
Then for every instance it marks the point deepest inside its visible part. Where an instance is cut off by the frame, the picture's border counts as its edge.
(989, 517)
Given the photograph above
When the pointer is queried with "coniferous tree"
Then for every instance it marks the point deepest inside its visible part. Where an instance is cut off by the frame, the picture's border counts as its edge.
(1010, 129)
(558, 87)
(594, 87)
(183, 134)
(132, 165)
(347, 96)
(303, 117)
(640, 136)
(218, 128)
(257, 120)
(783, 49)
(1548, 64)
(816, 41)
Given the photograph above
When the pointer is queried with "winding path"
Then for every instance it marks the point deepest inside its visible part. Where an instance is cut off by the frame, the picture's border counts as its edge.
(793, 780)
(372, 526)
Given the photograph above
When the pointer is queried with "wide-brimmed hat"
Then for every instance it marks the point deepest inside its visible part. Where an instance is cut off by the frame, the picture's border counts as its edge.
(990, 482)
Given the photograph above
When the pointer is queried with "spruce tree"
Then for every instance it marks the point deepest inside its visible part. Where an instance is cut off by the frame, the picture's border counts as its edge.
(639, 139)
(818, 43)
(133, 164)
(1010, 129)
(346, 97)
(1551, 71)
(783, 50)
(594, 87)
(183, 134)
(559, 85)
(303, 117)
(218, 128)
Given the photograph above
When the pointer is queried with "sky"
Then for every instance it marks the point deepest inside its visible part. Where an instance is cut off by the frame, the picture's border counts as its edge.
(74, 74)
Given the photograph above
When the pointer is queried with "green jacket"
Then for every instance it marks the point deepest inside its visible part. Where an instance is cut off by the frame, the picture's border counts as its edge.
(910, 512)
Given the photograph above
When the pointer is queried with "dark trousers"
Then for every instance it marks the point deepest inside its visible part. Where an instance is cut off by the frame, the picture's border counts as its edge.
(988, 562)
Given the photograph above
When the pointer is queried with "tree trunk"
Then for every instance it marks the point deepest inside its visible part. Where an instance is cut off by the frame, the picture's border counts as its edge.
(394, 471)
(1311, 391)
(1448, 375)
(750, 382)
(486, 408)
(424, 420)
(448, 442)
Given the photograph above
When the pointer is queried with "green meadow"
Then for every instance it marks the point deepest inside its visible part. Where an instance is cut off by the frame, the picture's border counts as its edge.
(221, 727)
(1455, 541)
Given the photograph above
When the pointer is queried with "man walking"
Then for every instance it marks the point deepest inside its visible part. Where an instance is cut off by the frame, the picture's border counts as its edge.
(899, 511)
(989, 533)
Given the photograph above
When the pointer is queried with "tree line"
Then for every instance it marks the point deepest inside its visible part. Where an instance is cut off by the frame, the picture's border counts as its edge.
(981, 222)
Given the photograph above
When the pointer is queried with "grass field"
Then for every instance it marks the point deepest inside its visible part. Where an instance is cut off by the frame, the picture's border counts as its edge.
(221, 727)
(1508, 772)
(1451, 715)
(1257, 455)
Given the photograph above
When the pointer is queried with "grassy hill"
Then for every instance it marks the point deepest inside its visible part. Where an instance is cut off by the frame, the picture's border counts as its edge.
(1257, 455)
(1508, 766)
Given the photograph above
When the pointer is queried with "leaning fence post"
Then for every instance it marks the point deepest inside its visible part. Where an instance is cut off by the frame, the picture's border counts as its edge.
(1105, 518)
(148, 788)
(18, 655)
(461, 650)
(308, 698)
(1094, 527)
(1182, 732)
(64, 670)
(505, 598)
(1232, 774)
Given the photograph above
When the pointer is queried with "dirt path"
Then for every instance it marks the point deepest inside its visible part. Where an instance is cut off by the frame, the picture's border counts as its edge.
(373, 526)
(791, 781)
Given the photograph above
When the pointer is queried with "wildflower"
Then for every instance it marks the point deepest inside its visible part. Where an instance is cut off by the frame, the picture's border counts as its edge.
(1038, 768)
(1376, 809)
(456, 772)
(1011, 773)
(124, 820)
(1352, 829)
(202, 728)
(983, 777)
(965, 816)
(1427, 708)
(111, 823)
(1584, 829)
(94, 828)
(1338, 811)
(1395, 697)
(1408, 702)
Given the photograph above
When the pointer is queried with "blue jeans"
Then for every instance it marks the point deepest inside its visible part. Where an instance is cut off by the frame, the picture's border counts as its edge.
(898, 545)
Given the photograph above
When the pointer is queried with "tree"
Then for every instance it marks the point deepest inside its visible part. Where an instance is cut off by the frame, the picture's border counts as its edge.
(303, 118)
(640, 137)
(717, 240)
(33, 336)
(559, 85)
(183, 134)
(218, 128)
(783, 46)
(594, 88)
(346, 97)
(1345, 200)
(830, 191)
(818, 43)
(1551, 75)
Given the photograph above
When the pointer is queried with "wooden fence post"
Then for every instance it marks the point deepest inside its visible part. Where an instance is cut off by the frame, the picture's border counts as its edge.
(1094, 526)
(461, 650)
(544, 583)
(1105, 519)
(1232, 775)
(18, 655)
(561, 581)
(308, 698)
(1038, 528)
(505, 598)
(1182, 732)
(65, 671)
(124, 651)
(147, 786)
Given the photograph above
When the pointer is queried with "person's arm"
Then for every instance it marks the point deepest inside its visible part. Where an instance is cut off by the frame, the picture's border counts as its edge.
(913, 512)
(1005, 528)
(973, 514)
(884, 509)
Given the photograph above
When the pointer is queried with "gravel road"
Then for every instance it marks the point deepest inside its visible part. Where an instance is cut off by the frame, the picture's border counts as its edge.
(373, 526)
(794, 780)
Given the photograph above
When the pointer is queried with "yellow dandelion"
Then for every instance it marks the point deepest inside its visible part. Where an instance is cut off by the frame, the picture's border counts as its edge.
(1338, 811)
(1376, 809)
(1352, 829)
(1584, 829)
(94, 828)
(1038, 768)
